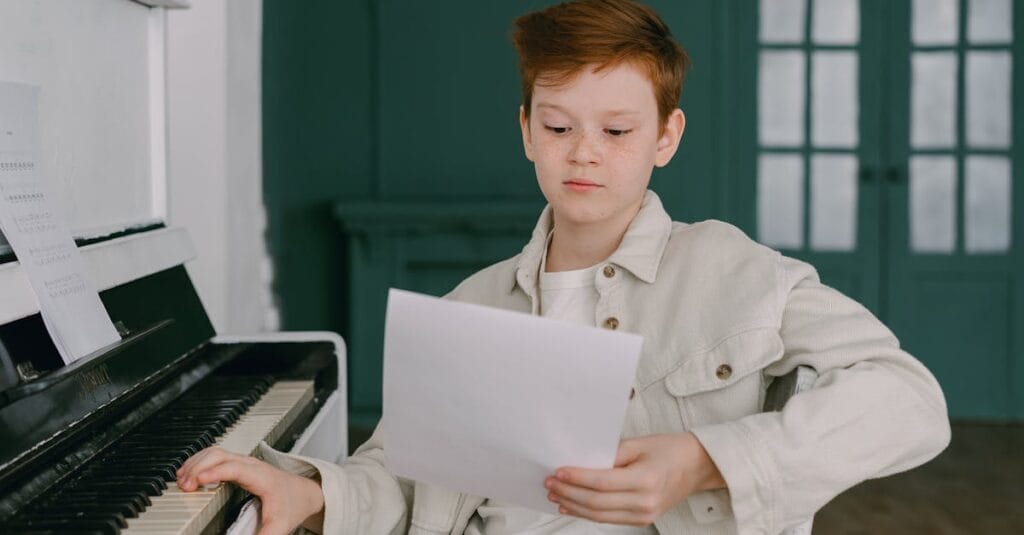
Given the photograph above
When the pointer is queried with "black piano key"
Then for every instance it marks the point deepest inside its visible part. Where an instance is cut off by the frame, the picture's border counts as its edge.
(3, 529)
(141, 451)
(118, 472)
(166, 442)
(172, 459)
(221, 419)
(80, 513)
(148, 487)
(128, 509)
(106, 527)
(176, 426)
(139, 500)
(103, 478)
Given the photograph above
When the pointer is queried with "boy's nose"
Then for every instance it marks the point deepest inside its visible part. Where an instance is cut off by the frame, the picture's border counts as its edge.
(586, 150)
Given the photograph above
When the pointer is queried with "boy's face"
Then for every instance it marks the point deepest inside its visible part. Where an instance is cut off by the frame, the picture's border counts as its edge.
(594, 143)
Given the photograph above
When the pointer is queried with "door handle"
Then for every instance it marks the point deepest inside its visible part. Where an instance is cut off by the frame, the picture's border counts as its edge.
(866, 174)
(892, 174)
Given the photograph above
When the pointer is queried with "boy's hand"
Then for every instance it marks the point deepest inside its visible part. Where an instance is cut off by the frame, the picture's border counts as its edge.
(288, 500)
(652, 474)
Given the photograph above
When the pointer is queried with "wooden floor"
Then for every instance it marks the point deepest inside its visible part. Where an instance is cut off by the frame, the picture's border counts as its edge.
(976, 486)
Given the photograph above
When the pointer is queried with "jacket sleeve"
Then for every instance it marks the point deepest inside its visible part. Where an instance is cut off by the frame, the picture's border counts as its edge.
(360, 495)
(874, 411)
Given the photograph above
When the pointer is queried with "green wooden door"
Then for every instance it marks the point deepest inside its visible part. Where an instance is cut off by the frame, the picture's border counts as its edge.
(955, 263)
(815, 150)
(882, 154)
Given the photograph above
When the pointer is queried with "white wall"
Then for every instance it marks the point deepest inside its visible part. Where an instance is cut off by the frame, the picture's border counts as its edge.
(214, 181)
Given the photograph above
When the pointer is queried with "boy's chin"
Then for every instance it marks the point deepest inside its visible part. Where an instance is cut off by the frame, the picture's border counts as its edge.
(579, 213)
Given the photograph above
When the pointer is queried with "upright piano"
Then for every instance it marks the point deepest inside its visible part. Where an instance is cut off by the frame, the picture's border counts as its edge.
(92, 446)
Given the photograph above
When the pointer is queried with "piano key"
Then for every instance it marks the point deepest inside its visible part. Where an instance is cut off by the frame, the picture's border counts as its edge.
(128, 509)
(100, 512)
(179, 512)
(155, 470)
(62, 525)
(60, 531)
(148, 487)
(137, 499)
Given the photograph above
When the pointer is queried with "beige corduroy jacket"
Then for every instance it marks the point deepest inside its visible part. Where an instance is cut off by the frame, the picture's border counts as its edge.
(721, 316)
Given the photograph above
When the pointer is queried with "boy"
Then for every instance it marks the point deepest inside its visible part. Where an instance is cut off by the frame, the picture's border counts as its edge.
(720, 316)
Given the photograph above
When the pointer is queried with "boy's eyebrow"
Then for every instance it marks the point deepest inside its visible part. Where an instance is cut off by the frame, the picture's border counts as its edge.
(607, 113)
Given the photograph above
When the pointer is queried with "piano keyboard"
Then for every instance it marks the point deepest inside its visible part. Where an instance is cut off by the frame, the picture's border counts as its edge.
(178, 512)
(132, 489)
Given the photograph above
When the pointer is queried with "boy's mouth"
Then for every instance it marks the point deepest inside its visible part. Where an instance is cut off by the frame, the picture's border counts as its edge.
(581, 184)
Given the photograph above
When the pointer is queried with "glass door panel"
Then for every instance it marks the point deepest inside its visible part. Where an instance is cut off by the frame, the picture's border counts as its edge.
(816, 194)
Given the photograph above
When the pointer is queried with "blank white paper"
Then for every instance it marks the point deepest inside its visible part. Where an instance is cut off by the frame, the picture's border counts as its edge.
(490, 402)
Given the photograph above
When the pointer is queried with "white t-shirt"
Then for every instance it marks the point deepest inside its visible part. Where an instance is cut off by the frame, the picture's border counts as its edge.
(568, 296)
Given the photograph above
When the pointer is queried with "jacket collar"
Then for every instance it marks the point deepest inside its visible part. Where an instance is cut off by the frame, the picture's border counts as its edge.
(639, 253)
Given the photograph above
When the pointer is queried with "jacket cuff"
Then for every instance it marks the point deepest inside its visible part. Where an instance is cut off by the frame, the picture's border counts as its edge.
(336, 508)
(750, 476)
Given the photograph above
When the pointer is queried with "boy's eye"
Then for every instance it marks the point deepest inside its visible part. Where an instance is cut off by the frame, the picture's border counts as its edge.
(616, 132)
(557, 129)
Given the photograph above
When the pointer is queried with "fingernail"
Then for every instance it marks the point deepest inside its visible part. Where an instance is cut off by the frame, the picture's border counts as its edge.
(552, 497)
(563, 510)
(548, 483)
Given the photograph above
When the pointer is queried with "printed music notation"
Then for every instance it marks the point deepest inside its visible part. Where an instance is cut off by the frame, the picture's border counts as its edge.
(32, 224)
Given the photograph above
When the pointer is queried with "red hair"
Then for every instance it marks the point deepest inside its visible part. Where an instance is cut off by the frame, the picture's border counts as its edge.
(557, 43)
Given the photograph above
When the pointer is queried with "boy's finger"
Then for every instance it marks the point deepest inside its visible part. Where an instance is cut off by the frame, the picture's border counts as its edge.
(613, 479)
(596, 500)
(191, 461)
(206, 463)
(235, 471)
(199, 462)
(616, 516)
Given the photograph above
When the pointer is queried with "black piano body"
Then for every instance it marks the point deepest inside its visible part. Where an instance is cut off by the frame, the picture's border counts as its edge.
(64, 426)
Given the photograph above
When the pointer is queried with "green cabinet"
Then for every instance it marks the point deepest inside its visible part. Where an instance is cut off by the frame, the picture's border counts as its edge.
(421, 246)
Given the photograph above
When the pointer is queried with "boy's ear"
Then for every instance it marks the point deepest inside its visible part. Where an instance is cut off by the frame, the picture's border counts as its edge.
(669, 140)
(524, 125)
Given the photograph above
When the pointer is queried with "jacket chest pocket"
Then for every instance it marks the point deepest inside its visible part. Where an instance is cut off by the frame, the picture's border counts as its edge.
(726, 382)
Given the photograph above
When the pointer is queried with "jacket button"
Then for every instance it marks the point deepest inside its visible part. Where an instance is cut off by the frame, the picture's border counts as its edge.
(609, 271)
(724, 371)
(611, 323)
(632, 393)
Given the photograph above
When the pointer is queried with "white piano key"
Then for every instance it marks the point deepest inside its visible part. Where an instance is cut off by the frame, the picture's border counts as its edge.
(184, 513)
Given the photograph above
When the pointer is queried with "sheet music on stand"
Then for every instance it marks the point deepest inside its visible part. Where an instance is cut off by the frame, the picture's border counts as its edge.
(32, 223)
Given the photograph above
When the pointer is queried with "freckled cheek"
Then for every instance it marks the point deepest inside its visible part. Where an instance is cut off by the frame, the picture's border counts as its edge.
(549, 162)
(625, 160)
(551, 152)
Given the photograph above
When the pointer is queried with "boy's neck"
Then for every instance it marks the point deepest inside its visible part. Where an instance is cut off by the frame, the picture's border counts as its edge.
(579, 246)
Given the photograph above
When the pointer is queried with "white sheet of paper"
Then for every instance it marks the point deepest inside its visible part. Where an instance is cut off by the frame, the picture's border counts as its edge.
(491, 402)
(31, 221)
